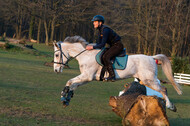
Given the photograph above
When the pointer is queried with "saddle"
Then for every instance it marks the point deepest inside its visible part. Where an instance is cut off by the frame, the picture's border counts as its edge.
(119, 62)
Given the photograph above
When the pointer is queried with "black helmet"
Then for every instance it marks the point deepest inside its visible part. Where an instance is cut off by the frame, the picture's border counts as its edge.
(98, 18)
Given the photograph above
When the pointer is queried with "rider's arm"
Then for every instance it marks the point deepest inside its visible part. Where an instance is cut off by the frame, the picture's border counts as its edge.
(102, 40)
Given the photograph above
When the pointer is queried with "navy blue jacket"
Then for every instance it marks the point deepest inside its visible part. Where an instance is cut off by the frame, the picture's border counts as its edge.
(106, 35)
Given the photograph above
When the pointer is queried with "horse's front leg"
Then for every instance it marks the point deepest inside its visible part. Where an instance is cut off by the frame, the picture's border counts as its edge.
(68, 91)
(66, 95)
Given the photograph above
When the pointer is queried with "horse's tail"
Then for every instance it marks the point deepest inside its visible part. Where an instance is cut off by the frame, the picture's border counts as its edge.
(166, 66)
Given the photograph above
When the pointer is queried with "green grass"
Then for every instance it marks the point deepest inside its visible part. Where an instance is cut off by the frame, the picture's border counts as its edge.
(30, 94)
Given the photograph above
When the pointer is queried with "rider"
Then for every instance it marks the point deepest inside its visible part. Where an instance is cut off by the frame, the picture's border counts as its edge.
(107, 35)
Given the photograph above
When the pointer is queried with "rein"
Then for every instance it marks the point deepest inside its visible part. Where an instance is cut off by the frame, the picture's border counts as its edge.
(68, 59)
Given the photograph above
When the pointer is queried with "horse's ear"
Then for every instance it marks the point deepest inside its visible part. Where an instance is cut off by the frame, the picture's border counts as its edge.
(55, 44)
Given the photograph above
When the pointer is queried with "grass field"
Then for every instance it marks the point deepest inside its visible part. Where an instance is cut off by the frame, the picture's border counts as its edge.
(30, 94)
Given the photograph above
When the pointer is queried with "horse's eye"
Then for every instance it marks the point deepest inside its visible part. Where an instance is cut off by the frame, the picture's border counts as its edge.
(56, 55)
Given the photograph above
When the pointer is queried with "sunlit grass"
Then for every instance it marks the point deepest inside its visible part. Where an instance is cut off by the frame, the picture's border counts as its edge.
(30, 94)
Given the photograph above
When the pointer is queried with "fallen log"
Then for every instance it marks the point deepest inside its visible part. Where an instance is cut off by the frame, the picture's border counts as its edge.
(2, 44)
(137, 109)
(33, 41)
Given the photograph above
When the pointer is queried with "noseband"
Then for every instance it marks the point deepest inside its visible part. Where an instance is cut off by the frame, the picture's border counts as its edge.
(63, 54)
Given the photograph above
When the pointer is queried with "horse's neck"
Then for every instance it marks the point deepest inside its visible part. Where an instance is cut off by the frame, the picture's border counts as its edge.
(84, 57)
(87, 61)
(75, 49)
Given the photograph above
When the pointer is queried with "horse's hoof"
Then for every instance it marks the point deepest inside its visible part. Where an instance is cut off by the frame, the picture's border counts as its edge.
(64, 106)
(63, 99)
(173, 108)
(65, 103)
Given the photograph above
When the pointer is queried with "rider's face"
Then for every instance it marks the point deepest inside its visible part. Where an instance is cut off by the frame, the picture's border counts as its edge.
(96, 24)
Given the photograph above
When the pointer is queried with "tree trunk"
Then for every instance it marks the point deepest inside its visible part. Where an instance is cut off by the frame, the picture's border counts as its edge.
(185, 50)
(52, 28)
(138, 27)
(20, 28)
(186, 42)
(46, 32)
(19, 23)
(174, 42)
(157, 31)
(147, 27)
(31, 27)
(39, 31)
(17, 31)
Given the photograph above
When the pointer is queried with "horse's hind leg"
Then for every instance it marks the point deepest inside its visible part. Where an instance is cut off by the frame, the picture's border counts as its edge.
(154, 84)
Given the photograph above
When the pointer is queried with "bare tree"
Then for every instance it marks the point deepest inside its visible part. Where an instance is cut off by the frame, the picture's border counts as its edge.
(14, 14)
(147, 27)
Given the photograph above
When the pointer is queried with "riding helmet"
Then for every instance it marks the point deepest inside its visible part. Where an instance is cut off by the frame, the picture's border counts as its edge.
(98, 18)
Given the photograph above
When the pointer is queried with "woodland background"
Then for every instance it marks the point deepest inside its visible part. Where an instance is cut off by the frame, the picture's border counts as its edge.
(146, 26)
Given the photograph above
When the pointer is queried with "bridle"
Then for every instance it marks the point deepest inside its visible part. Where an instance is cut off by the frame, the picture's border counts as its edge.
(63, 54)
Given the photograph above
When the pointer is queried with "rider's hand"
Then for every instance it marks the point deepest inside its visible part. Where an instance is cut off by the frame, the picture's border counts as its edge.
(89, 47)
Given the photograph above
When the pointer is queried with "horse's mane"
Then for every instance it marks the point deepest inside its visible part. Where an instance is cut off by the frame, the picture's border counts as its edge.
(76, 39)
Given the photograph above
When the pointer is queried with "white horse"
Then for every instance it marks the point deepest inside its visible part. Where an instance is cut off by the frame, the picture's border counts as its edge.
(140, 66)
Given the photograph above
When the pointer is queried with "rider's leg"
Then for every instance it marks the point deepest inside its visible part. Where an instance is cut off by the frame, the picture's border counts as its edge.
(102, 73)
(111, 73)
(108, 65)
(108, 55)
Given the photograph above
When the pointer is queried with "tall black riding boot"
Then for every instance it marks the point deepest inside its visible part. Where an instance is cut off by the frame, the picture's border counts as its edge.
(111, 74)
(104, 69)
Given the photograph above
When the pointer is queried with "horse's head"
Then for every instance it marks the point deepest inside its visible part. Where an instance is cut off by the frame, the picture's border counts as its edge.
(63, 51)
(61, 57)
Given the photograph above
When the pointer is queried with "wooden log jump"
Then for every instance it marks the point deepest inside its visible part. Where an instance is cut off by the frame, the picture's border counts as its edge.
(137, 109)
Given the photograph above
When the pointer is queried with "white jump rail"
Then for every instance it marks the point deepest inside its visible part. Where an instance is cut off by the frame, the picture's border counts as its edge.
(182, 78)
